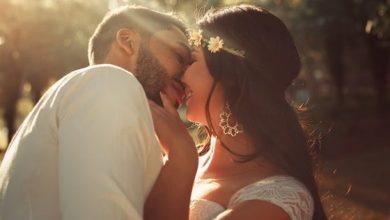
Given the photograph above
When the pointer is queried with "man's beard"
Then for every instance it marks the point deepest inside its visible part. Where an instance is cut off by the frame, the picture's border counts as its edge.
(150, 73)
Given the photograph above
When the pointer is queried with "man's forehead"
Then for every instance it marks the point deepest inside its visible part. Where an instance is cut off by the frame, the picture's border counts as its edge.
(170, 36)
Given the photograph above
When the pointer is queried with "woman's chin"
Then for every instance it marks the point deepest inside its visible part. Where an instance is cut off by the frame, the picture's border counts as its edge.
(191, 117)
(194, 118)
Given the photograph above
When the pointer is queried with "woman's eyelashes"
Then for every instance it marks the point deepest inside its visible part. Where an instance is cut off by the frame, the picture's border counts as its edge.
(193, 57)
(179, 58)
(192, 60)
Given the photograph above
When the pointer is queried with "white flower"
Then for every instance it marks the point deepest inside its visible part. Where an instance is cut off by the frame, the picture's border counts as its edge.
(195, 38)
(215, 44)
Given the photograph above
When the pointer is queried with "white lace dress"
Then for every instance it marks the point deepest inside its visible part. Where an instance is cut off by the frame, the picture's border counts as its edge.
(283, 191)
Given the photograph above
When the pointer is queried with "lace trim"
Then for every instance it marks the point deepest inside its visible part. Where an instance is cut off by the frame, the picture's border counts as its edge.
(202, 209)
(283, 191)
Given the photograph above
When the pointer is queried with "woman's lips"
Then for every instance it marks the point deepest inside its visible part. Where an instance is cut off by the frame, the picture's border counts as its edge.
(180, 100)
(187, 93)
(188, 96)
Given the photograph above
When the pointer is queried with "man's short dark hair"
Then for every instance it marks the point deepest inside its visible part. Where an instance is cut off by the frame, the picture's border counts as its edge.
(141, 19)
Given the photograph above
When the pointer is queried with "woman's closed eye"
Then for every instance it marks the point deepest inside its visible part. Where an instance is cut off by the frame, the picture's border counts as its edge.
(179, 58)
(192, 60)
(194, 57)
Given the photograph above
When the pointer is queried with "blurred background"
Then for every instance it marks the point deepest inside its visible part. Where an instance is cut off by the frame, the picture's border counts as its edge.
(344, 83)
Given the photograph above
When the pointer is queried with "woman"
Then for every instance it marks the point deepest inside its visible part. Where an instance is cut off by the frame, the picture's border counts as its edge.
(258, 163)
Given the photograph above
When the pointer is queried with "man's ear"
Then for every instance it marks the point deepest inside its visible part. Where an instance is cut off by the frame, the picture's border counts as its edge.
(128, 40)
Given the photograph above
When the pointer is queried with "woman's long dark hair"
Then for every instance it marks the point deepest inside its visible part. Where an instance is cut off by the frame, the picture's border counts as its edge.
(254, 87)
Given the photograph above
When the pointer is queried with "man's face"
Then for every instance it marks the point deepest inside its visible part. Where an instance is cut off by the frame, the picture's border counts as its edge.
(161, 61)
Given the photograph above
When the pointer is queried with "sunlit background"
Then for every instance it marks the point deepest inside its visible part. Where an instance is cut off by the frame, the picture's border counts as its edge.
(344, 46)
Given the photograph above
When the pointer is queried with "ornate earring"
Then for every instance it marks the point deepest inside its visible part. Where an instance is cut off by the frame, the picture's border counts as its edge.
(228, 129)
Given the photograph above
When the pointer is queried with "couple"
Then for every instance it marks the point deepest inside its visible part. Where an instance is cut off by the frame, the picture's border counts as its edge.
(92, 147)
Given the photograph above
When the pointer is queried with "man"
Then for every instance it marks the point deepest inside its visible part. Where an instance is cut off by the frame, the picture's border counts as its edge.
(87, 150)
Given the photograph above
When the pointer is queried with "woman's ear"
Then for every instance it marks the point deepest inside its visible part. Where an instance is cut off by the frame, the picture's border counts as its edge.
(127, 40)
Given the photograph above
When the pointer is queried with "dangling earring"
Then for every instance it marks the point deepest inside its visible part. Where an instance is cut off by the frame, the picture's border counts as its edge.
(227, 129)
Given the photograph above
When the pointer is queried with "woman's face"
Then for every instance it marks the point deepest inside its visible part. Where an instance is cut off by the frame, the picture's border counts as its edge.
(198, 82)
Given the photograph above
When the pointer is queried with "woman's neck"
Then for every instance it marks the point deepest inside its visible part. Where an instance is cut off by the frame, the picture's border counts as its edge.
(222, 164)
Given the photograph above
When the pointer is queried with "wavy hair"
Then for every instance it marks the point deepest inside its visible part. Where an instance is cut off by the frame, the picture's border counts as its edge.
(254, 87)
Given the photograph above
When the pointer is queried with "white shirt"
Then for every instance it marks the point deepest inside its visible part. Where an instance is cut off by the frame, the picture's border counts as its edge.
(86, 151)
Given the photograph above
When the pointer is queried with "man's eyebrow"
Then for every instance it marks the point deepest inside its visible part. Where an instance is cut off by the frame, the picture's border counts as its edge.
(185, 46)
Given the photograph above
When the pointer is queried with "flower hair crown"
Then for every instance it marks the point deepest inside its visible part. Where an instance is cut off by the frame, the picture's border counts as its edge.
(214, 44)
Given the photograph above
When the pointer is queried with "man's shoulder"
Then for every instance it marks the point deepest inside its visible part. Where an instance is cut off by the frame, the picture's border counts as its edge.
(97, 81)
(102, 76)
(107, 86)
(102, 70)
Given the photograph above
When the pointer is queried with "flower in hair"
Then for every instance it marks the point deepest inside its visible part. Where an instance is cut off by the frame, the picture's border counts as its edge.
(215, 44)
(196, 38)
